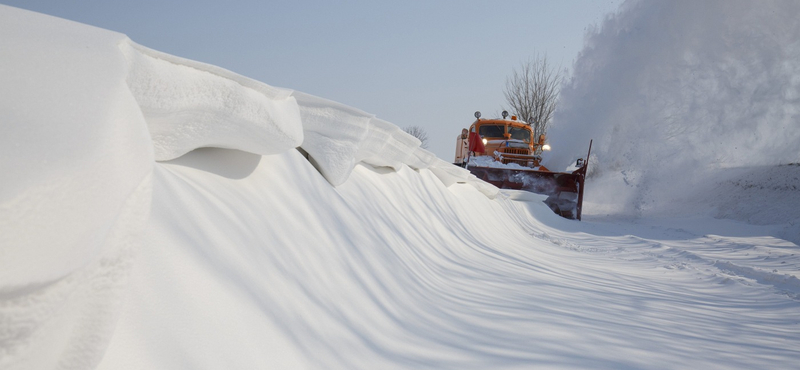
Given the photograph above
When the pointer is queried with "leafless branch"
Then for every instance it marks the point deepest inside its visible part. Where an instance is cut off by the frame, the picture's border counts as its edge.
(532, 92)
(419, 133)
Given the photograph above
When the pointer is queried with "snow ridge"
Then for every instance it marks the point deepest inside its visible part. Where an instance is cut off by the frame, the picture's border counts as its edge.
(189, 105)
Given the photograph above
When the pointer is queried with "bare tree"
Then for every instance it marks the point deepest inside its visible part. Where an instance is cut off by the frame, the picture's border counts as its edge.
(532, 92)
(419, 133)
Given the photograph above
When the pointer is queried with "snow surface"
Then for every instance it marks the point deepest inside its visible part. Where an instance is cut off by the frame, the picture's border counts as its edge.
(155, 214)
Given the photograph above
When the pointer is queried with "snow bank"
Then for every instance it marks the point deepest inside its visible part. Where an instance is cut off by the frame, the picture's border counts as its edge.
(84, 115)
(671, 91)
(393, 270)
(333, 133)
(189, 105)
(75, 158)
(760, 195)
(337, 137)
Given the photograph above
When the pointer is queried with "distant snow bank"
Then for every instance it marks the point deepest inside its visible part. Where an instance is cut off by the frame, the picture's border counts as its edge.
(759, 195)
(672, 91)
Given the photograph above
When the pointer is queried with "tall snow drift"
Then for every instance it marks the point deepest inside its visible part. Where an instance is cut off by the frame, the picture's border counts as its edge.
(338, 137)
(84, 115)
(76, 163)
(189, 105)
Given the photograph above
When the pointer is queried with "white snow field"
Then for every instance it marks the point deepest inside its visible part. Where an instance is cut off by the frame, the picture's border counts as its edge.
(155, 214)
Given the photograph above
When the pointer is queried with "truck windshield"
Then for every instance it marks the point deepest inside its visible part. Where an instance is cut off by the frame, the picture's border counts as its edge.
(520, 134)
(492, 130)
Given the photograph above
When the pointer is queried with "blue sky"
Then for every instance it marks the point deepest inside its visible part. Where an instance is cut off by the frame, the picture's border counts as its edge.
(425, 63)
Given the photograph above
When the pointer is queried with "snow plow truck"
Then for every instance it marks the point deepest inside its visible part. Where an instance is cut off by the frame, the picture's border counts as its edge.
(505, 153)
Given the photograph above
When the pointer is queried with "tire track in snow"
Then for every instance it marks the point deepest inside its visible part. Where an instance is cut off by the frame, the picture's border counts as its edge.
(788, 285)
(723, 258)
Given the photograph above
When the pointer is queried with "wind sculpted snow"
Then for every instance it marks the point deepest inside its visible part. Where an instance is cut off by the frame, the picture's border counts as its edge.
(128, 243)
(188, 105)
(76, 163)
(394, 270)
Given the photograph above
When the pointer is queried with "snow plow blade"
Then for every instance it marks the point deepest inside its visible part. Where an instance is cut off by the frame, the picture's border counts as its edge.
(564, 190)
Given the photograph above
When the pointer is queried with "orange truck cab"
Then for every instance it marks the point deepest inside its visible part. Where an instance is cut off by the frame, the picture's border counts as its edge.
(505, 140)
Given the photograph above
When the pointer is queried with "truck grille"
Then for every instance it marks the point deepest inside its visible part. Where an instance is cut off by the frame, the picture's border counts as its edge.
(515, 150)
(525, 162)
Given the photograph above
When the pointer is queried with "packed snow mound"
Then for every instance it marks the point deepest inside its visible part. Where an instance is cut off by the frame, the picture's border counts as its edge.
(332, 133)
(393, 270)
(128, 91)
(67, 171)
(85, 114)
(76, 163)
(671, 91)
(189, 105)
(338, 137)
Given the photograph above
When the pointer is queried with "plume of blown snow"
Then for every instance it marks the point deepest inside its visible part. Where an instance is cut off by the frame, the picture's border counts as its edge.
(672, 91)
